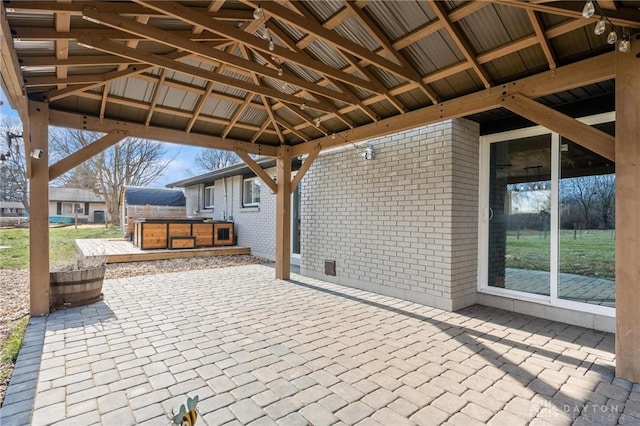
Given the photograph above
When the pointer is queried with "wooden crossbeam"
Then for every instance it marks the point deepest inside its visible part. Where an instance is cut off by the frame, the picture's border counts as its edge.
(232, 33)
(164, 62)
(178, 42)
(255, 168)
(304, 168)
(589, 137)
(589, 71)
(63, 166)
(105, 125)
(461, 42)
(50, 34)
(542, 40)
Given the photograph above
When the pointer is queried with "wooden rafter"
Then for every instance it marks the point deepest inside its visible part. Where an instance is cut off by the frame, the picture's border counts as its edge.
(164, 62)
(177, 42)
(461, 42)
(48, 34)
(232, 33)
(436, 25)
(382, 39)
(96, 124)
(63, 23)
(542, 39)
(154, 98)
(589, 71)
(624, 17)
(198, 109)
(304, 167)
(313, 27)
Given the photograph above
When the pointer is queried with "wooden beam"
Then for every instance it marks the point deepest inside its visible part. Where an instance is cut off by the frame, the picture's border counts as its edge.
(104, 125)
(304, 168)
(592, 70)
(231, 32)
(39, 210)
(542, 39)
(627, 217)
(180, 43)
(460, 40)
(283, 214)
(198, 109)
(49, 34)
(436, 25)
(191, 70)
(85, 153)
(311, 26)
(11, 78)
(589, 137)
(125, 9)
(255, 168)
(624, 17)
(154, 98)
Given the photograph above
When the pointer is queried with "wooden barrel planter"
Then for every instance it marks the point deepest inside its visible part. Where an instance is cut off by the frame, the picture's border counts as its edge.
(75, 288)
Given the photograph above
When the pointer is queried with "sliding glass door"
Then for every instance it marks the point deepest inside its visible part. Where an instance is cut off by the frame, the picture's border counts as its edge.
(547, 228)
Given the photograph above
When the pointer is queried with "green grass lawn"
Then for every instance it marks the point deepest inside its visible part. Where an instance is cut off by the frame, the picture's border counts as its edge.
(591, 253)
(61, 244)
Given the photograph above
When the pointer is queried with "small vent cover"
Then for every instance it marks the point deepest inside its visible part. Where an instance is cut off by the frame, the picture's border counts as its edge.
(330, 267)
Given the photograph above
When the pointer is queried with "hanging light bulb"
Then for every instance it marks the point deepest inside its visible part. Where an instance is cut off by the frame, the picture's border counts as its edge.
(600, 26)
(612, 37)
(266, 34)
(258, 13)
(333, 135)
(317, 122)
(272, 45)
(588, 10)
(302, 106)
(280, 72)
(625, 44)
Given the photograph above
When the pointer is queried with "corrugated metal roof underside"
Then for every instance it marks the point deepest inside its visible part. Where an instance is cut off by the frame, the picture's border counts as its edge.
(486, 27)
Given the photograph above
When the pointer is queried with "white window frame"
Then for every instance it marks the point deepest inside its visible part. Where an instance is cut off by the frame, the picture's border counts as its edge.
(484, 213)
(209, 202)
(73, 209)
(252, 202)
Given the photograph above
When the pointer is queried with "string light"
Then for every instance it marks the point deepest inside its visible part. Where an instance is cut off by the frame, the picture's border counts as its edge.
(302, 106)
(317, 122)
(280, 71)
(600, 27)
(272, 45)
(258, 14)
(587, 12)
(625, 44)
(615, 34)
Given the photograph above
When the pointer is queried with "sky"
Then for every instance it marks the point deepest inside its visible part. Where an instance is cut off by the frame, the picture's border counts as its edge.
(182, 165)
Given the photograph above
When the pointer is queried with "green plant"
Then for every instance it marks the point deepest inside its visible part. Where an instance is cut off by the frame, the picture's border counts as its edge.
(12, 345)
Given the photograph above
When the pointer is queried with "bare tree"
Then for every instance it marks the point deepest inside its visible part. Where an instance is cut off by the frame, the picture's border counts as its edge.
(214, 159)
(13, 172)
(580, 191)
(604, 187)
(134, 161)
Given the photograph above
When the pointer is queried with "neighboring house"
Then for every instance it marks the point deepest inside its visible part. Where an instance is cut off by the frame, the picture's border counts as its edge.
(146, 203)
(67, 202)
(11, 209)
(235, 194)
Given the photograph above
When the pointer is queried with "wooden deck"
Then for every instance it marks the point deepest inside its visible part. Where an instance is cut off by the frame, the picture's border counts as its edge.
(120, 251)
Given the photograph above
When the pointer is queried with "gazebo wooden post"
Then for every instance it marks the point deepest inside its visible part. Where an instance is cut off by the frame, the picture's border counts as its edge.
(283, 213)
(627, 208)
(39, 208)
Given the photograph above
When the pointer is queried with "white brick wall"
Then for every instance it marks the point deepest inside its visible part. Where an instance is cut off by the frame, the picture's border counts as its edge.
(403, 224)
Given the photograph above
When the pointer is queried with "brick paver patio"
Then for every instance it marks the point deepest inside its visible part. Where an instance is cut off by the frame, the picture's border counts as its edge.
(261, 351)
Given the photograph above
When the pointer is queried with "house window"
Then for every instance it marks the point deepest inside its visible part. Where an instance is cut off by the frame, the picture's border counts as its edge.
(251, 192)
(208, 197)
(72, 208)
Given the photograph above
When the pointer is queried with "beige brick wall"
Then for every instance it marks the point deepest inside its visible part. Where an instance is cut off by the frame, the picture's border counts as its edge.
(403, 224)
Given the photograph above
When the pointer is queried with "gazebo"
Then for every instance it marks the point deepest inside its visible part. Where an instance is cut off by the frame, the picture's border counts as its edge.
(292, 78)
